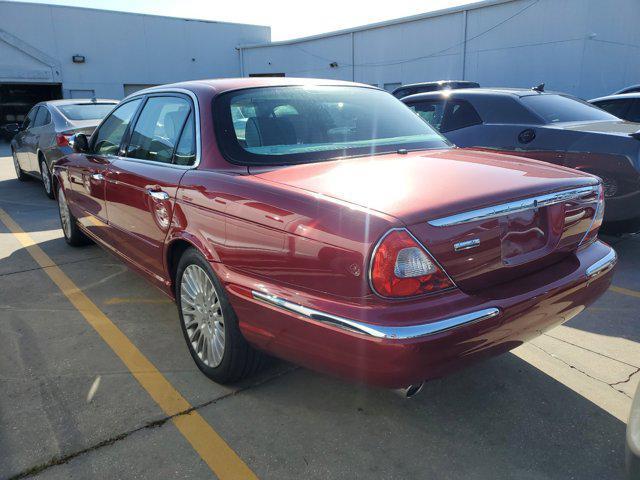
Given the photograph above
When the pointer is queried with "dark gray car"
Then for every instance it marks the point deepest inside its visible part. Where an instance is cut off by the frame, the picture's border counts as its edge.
(47, 131)
(625, 106)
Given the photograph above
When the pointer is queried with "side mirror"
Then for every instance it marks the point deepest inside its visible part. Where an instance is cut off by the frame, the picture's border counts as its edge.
(12, 128)
(80, 143)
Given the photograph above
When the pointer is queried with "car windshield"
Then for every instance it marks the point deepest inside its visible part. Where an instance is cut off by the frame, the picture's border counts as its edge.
(285, 125)
(86, 111)
(558, 108)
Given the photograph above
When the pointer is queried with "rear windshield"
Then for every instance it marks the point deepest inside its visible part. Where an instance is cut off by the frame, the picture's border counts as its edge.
(288, 125)
(558, 108)
(86, 111)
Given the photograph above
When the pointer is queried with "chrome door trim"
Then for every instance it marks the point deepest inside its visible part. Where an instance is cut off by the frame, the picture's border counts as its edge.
(378, 331)
(500, 210)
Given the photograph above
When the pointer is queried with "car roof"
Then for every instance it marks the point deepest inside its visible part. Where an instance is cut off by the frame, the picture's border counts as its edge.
(227, 84)
(436, 82)
(620, 96)
(479, 92)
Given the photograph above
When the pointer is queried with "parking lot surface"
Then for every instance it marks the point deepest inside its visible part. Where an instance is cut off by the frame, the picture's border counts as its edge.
(76, 402)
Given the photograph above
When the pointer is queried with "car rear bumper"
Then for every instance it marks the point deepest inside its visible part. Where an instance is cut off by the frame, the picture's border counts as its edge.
(460, 329)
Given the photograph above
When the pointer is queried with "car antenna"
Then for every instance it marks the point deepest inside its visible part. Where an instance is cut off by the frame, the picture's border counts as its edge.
(538, 88)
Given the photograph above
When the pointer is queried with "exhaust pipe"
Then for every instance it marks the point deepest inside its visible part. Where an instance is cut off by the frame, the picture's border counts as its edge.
(410, 391)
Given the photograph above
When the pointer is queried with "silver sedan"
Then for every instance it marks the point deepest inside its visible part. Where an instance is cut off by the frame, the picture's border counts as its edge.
(46, 133)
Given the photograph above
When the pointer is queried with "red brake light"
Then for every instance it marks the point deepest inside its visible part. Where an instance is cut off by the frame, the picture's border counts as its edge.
(401, 267)
(596, 223)
(62, 140)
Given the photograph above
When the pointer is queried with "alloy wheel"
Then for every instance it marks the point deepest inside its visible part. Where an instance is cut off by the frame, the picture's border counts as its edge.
(46, 178)
(202, 315)
(65, 217)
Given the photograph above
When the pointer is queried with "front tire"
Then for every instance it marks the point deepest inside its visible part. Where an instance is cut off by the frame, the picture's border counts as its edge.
(209, 324)
(19, 173)
(47, 181)
(72, 233)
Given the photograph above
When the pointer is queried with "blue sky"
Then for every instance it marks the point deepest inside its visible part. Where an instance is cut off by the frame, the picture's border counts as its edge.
(288, 19)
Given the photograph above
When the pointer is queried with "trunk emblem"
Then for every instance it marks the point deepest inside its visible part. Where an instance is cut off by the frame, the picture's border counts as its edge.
(466, 245)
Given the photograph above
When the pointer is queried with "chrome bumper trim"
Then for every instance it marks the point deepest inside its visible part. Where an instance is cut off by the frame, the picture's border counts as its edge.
(378, 331)
(514, 207)
(605, 264)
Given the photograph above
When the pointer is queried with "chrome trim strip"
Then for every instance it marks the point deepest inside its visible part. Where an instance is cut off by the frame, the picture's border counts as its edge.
(606, 263)
(375, 249)
(378, 331)
(513, 207)
(466, 245)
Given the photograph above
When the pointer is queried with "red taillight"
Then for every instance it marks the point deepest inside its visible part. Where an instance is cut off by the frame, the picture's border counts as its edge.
(401, 267)
(592, 233)
(62, 140)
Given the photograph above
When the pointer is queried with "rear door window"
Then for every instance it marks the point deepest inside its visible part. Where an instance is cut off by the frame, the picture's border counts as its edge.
(108, 138)
(31, 116)
(41, 117)
(158, 128)
(186, 149)
(614, 107)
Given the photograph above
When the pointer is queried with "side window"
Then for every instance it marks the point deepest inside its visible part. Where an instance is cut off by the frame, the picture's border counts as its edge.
(615, 107)
(108, 138)
(31, 116)
(431, 111)
(459, 114)
(633, 115)
(42, 118)
(156, 132)
(186, 150)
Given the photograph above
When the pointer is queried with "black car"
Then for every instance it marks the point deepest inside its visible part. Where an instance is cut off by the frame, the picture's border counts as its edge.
(547, 126)
(413, 88)
(625, 106)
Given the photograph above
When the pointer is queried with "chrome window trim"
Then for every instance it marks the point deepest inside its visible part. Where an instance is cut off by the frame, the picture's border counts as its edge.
(378, 331)
(500, 210)
(196, 114)
(373, 254)
(605, 264)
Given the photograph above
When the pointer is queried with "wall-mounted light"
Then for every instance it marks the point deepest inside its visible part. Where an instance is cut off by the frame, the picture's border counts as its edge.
(333, 64)
(78, 59)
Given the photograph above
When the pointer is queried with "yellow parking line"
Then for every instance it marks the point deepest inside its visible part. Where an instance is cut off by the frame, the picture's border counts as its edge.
(222, 460)
(121, 300)
(625, 291)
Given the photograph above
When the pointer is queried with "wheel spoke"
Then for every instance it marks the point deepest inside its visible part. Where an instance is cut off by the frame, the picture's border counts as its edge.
(202, 315)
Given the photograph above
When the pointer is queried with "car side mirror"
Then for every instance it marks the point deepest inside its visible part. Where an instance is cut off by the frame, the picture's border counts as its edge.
(80, 143)
(13, 128)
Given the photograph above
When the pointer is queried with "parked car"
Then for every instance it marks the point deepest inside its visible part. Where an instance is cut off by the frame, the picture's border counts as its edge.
(633, 439)
(625, 106)
(547, 126)
(629, 89)
(47, 132)
(413, 88)
(323, 233)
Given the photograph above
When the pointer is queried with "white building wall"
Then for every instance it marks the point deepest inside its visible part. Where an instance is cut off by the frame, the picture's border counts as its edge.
(120, 48)
(584, 47)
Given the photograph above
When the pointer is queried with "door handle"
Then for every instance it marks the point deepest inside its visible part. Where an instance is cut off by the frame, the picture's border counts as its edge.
(158, 194)
(98, 177)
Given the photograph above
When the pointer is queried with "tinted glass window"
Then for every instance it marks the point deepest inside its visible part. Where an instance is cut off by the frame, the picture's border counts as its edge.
(431, 111)
(633, 114)
(156, 132)
(86, 111)
(108, 138)
(614, 107)
(42, 118)
(283, 125)
(558, 108)
(459, 114)
(31, 116)
(186, 149)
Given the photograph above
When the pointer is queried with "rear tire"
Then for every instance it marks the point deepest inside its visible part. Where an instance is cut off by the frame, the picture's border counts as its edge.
(72, 233)
(209, 324)
(47, 180)
(19, 173)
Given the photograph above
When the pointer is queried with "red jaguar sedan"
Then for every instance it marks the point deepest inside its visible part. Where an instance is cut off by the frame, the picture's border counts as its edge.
(324, 223)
